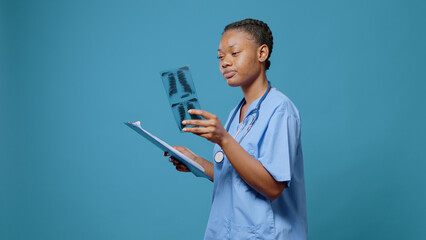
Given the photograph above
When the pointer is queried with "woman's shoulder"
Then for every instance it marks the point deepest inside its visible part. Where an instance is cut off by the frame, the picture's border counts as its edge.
(279, 102)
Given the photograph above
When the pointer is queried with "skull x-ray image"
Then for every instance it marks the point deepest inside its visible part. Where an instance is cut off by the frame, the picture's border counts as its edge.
(181, 92)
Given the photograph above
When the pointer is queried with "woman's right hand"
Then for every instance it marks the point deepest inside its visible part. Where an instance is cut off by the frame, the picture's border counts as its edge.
(185, 151)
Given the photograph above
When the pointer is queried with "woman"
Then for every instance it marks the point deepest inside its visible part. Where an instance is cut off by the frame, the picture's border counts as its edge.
(258, 177)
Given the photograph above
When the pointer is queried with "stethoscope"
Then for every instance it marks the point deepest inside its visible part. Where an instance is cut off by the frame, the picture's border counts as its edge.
(219, 155)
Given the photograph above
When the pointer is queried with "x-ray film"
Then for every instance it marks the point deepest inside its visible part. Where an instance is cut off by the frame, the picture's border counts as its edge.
(181, 92)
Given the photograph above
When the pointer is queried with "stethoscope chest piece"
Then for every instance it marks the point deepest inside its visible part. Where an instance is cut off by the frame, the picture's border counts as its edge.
(219, 156)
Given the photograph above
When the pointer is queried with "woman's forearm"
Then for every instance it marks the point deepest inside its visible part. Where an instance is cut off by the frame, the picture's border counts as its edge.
(207, 165)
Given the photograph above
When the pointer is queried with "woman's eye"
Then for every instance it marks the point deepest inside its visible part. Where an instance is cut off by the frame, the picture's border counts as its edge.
(235, 53)
(219, 57)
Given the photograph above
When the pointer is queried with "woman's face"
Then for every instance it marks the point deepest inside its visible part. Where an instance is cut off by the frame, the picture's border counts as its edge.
(239, 58)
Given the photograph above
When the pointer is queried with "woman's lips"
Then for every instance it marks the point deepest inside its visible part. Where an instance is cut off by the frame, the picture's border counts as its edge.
(229, 74)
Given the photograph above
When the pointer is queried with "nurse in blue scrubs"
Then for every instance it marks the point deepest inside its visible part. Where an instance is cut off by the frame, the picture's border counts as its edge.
(259, 188)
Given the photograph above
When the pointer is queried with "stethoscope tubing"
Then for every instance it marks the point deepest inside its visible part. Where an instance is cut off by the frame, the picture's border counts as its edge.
(219, 156)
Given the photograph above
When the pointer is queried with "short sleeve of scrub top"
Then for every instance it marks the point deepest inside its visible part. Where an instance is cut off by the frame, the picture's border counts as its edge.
(279, 143)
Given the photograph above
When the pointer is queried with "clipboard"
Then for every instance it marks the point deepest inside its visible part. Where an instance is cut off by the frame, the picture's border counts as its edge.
(193, 166)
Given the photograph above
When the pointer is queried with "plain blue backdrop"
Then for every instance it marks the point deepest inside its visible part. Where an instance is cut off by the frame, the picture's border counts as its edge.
(73, 71)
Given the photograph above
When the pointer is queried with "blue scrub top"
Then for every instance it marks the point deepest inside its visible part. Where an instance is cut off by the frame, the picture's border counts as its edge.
(240, 212)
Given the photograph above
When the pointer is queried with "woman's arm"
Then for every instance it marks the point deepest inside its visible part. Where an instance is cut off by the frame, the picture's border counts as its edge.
(250, 169)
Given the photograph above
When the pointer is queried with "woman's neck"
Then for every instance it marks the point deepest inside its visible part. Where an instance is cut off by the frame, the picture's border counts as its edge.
(255, 90)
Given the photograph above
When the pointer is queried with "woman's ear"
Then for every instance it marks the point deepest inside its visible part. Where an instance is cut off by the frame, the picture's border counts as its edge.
(263, 53)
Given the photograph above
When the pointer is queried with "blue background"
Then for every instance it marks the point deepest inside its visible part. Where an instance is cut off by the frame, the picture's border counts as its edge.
(72, 72)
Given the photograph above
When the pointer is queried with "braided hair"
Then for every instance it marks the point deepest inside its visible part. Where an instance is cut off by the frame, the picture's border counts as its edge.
(258, 29)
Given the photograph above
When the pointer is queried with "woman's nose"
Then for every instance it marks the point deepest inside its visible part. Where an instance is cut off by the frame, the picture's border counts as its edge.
(226, 62)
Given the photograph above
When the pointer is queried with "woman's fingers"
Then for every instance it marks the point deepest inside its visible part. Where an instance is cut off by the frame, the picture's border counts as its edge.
(197, 130)
(182, 168)
(179, 166)
(203, 123)
(211, 128)
(202, 113)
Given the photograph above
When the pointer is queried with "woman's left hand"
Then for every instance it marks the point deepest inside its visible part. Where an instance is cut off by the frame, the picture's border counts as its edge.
(210, 129)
